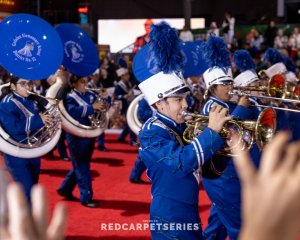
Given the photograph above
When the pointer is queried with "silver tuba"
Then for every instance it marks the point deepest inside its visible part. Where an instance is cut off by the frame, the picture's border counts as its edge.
(69, 124)
(80, 58)
(100, 118)
(31, 59)
(37, 143)
(132, 118)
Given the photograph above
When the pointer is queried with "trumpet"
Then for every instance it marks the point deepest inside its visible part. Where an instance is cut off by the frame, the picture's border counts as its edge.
(249, 132)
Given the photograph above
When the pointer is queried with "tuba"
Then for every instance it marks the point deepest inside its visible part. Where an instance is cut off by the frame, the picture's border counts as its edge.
(80, 58)
(131, 116)
(100, 118)
(31, 54)
(71, 125)
(249, 132)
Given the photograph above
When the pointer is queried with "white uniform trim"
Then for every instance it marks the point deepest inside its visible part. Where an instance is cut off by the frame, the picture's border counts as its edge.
(80, 101)
(26, 112)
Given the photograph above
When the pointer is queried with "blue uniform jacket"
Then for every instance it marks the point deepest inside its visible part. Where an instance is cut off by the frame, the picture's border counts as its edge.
(17, 120)
(80, 105)
(294, 125)
(224, 192)
(173, 169)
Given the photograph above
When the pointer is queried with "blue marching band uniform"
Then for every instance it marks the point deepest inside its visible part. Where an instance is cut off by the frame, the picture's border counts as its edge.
(122, 89)
(19, 116)
(175, 172)
(79, 106)
(224, 192)
(174, 167)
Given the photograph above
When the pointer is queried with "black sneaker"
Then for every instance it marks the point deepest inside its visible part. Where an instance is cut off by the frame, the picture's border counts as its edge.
(68, 196)
(103, 149)
(90, 204)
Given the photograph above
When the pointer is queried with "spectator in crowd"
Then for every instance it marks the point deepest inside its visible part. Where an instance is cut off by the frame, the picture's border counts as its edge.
(270, 34)
(108, 75)
(186, 34)
(281, 40)
(213, 29)
(228, 28)
(294, 42)
(256, 40)
(144, 39)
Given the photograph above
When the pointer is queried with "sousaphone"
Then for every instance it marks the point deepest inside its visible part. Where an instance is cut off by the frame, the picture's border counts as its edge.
(30, 49)
(80, 58)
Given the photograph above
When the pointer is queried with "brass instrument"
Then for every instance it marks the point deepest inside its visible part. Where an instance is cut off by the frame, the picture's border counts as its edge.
(132, 118)
(45, 133)
(36, 143)
(260, 131)
(100, 118)
(277, 90)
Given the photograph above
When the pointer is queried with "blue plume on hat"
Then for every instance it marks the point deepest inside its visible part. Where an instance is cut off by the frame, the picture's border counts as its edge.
(165, 48)
(273, 56)
(162, 53)
(216, 53)
(243, 60)
(290, 66)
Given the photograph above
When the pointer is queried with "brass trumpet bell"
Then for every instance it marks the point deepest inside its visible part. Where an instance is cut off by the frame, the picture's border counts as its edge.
(248, 132)
(276, 87)
(277, 90)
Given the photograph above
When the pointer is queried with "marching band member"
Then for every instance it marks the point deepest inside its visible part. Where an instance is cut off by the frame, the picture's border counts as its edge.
(224, 192)
(173, 167)
(247, 77)
(124, 92)
(19, 117)
(80, 104)
(276, 64)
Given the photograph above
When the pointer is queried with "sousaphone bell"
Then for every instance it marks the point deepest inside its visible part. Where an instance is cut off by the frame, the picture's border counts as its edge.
(30, 49)
(80, 58)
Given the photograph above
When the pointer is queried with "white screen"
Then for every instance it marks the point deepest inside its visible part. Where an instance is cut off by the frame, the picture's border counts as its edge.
(121, 33)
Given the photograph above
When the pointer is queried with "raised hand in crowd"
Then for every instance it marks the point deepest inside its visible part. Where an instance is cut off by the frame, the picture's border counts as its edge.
(26, 224)
(270, 206)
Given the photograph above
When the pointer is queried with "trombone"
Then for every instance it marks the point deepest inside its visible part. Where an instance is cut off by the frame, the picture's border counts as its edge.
(277, 90)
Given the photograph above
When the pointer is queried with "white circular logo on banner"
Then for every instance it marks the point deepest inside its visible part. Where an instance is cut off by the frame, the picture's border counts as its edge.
(26, 48)
(74, 51)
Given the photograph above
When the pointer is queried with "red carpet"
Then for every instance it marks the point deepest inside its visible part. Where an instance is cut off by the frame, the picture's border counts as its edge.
(121, 202)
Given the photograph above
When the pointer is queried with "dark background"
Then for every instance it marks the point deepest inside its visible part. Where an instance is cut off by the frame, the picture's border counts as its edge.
(246, 12)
